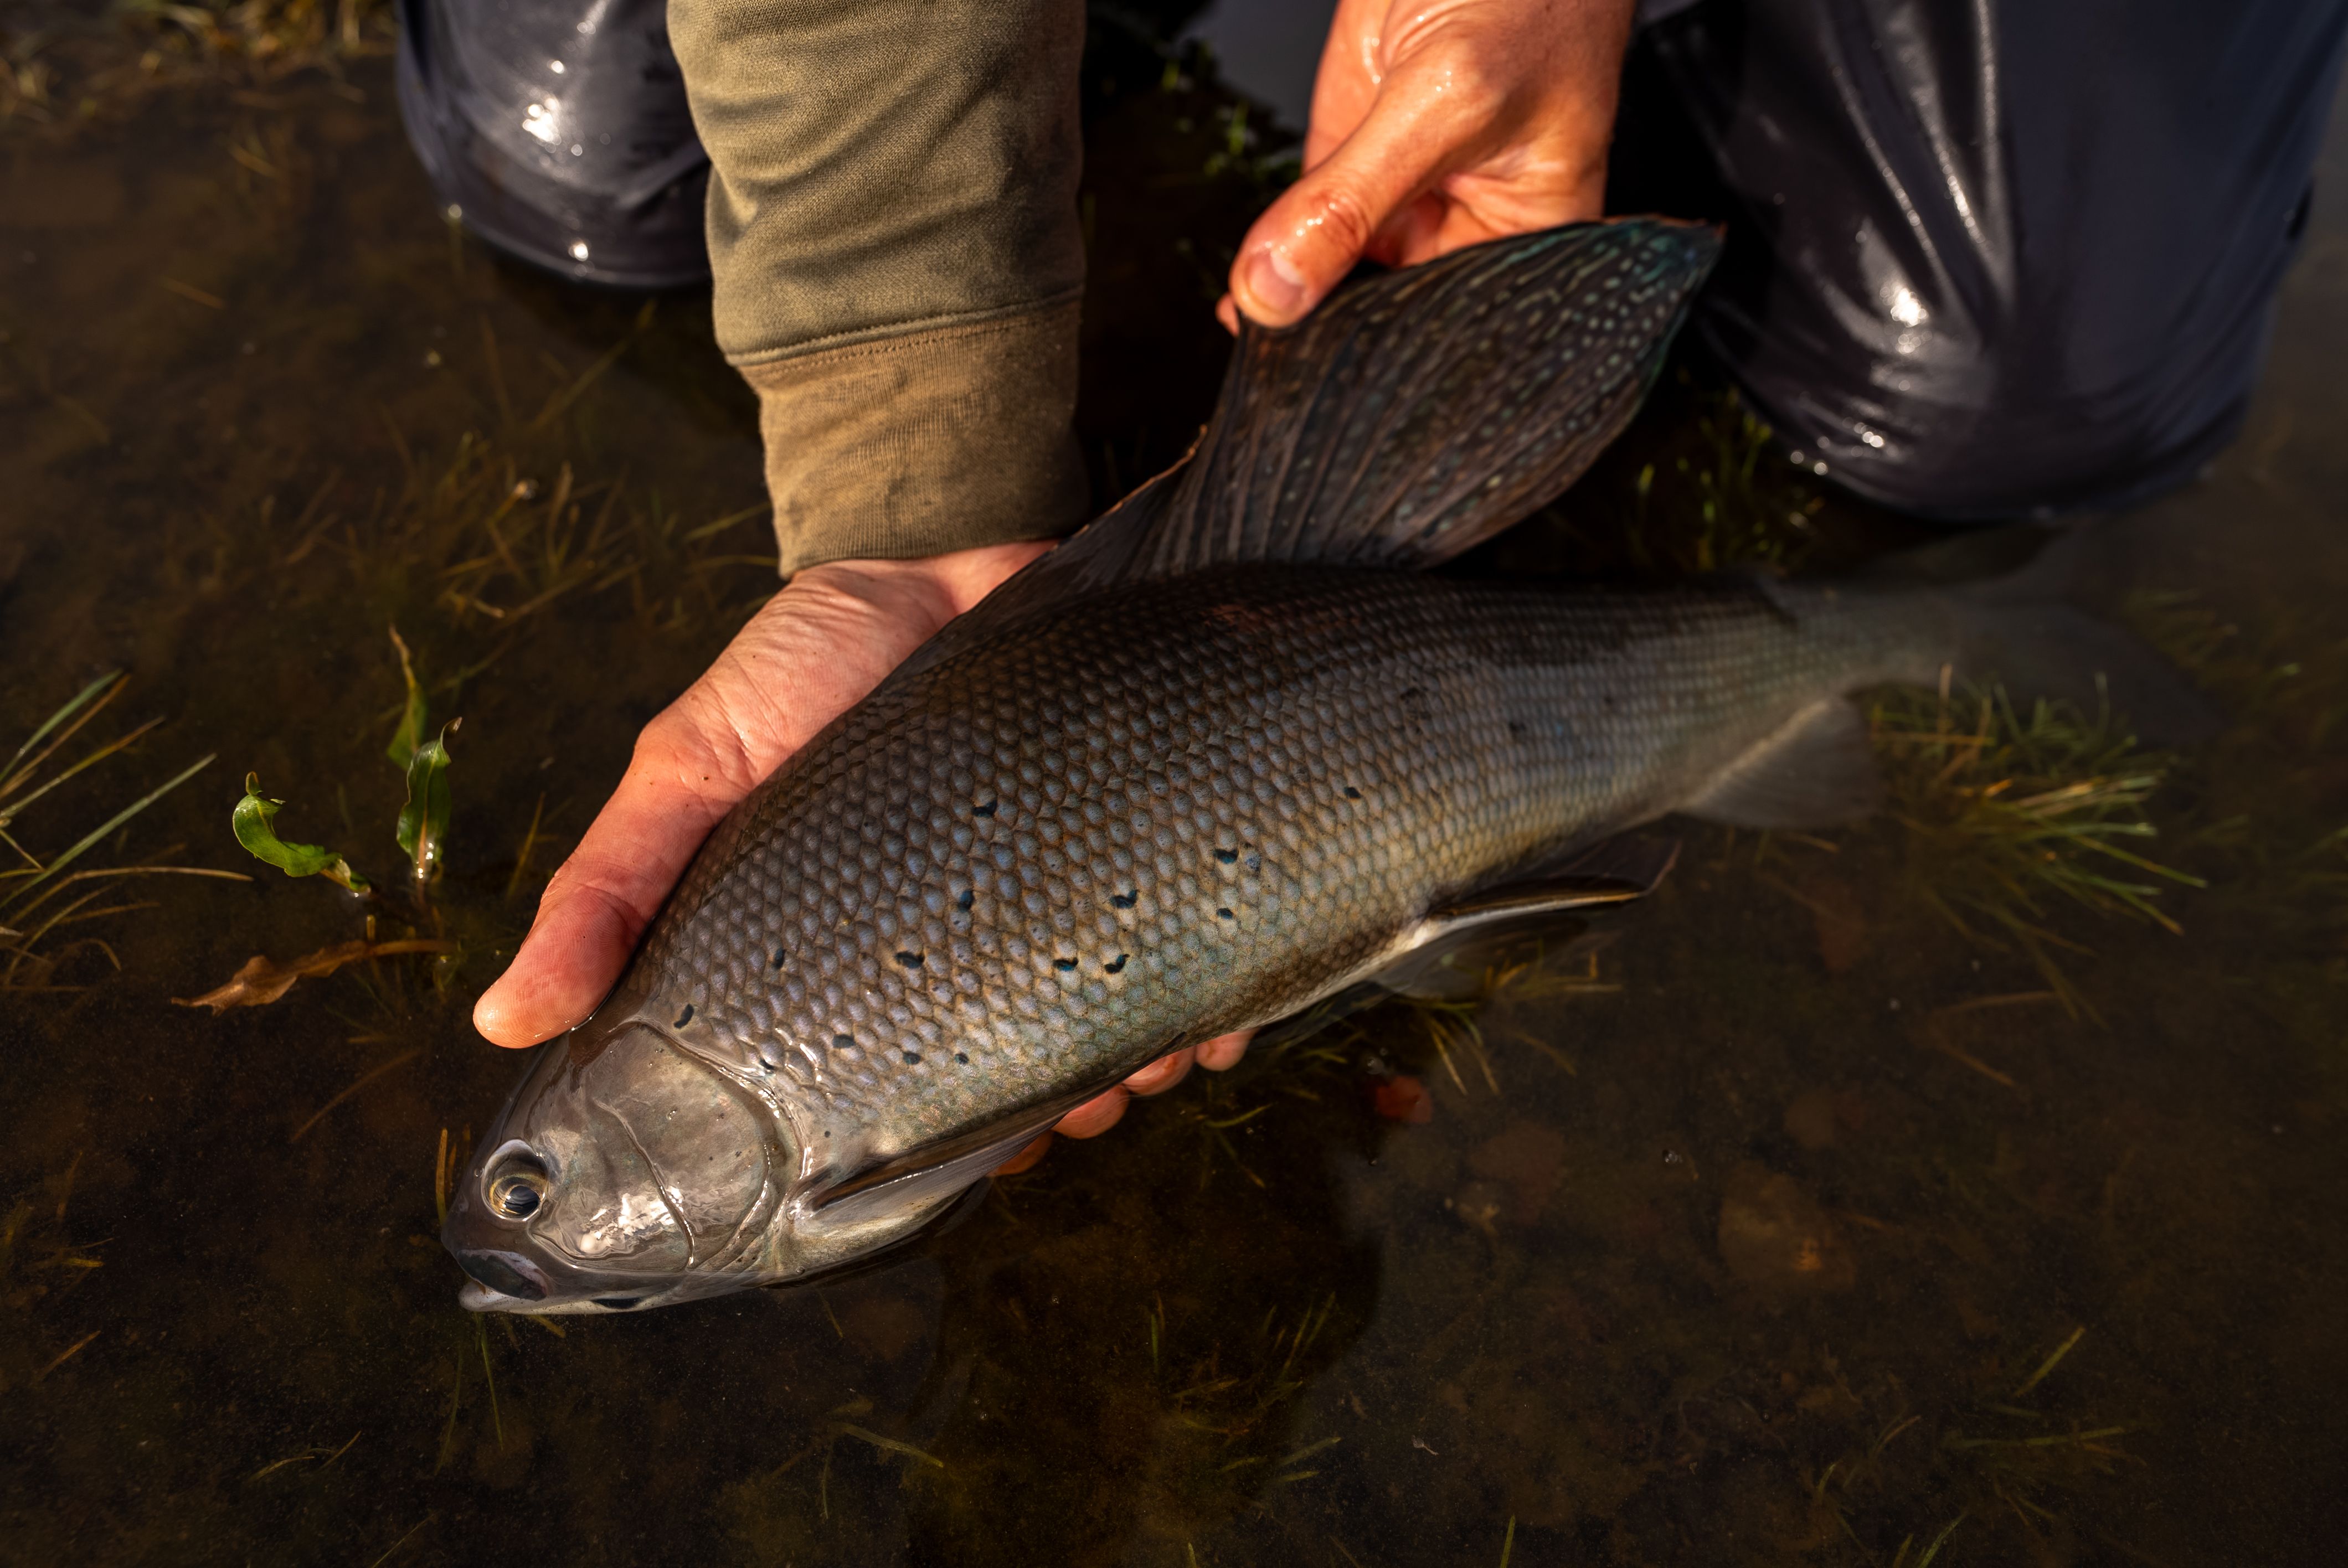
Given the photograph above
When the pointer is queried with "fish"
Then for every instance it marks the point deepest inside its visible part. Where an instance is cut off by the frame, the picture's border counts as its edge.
(1227, 756)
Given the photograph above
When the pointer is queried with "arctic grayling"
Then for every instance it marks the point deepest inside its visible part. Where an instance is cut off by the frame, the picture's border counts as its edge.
(1222, 755)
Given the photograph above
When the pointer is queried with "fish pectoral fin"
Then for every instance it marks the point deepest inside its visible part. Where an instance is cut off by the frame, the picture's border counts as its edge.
(1611, 871)
(1817, 769)
(1429, 965)
(929, 1177)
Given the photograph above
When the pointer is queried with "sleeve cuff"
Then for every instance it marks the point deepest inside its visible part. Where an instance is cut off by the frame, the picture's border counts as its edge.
(938, 440)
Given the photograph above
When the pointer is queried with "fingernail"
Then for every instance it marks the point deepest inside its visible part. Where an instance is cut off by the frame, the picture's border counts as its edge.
(1276, 283)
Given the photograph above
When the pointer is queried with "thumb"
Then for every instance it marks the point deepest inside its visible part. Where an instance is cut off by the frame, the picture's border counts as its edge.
(1309, 239)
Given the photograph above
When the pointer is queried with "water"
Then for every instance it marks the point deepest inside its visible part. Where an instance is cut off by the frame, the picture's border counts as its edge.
(1744, 1238)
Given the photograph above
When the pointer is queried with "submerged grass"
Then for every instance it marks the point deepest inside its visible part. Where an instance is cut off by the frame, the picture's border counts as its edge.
(63, 65)
(1699, 485)
(39, 897)
(1228, 1402)
(493, 549)
(2009, 812)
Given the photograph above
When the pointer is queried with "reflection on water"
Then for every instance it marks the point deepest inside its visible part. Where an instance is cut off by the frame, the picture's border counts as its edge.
(1810, 1214)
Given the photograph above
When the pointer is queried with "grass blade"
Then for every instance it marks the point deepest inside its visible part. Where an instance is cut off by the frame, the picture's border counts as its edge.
(116, 820)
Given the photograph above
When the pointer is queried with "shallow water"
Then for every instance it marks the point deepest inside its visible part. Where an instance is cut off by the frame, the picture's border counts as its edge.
(1743, 1236)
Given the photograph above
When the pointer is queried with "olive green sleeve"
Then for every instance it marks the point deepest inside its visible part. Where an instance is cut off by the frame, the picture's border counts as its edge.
(894, 231)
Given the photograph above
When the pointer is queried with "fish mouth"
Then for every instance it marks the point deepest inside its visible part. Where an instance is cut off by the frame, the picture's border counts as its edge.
(504, 1273)
(474, 1296)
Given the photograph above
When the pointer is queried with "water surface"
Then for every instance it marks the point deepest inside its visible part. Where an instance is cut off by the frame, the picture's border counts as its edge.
(1746, 1232)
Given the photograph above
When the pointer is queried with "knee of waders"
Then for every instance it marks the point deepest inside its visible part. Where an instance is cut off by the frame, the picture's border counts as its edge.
(1899, 394)
(558, 133)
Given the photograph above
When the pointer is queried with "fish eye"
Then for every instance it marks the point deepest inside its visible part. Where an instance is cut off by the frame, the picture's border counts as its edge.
(516, 1183)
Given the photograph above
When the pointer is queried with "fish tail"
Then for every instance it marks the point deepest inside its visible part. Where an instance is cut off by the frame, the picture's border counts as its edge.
(2018, 628)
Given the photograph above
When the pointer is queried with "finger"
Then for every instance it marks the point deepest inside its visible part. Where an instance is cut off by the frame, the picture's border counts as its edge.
(1026, 1158)
(599, 901)
(1095, 1116)
(1308, 240)
(1222, 1053)
(1163, 1074)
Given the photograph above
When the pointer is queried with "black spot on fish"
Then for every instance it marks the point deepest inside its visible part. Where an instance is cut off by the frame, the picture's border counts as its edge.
(1116, 966)
(912, 1059)
(964, 901)
(1226, 913)
(780, 954)
(1517, 731)
(685, 1016)
(1064, 964)
(1228, 856)
(1126, 900)
(617, 1303)
(986, 809)
(1255, 863)
(911, 961)
(842, 1042)
(962, 1057)
(1352, 794)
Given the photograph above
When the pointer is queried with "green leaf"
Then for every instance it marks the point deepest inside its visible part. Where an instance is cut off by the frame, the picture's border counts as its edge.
(424, 820)
(254, 824)
(406, 739)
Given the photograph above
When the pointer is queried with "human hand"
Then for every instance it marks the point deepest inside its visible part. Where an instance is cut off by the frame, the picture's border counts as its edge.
(810, 653)
(1104, 1110)
(1436, 124)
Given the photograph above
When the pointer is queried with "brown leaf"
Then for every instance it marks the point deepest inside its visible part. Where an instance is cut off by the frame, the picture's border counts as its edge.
(262, 981)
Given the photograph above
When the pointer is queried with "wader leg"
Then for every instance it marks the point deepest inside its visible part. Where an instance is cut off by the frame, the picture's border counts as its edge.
(557, 132)
(1995, 257)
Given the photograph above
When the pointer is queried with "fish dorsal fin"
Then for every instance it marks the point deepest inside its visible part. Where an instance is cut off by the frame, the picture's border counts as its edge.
(1419, 411)
(1415, 414)
(1816, 770)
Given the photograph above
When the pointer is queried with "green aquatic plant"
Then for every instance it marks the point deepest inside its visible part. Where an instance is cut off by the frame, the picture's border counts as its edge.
(41, 896)
(423, 826)
(2010, 811)
(254, 821)
(414, 713)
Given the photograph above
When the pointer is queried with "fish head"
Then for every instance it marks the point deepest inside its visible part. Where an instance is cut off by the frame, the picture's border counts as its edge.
(624, 1172)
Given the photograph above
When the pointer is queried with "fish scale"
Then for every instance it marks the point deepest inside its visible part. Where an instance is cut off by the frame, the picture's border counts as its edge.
(1190, 806)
